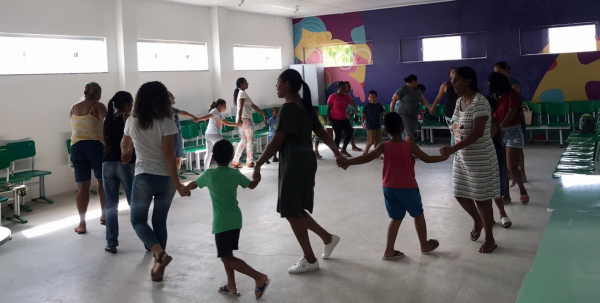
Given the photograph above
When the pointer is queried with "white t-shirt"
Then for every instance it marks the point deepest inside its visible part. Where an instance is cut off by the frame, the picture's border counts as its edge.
(215, 124)
(247, 110)
(148, 145)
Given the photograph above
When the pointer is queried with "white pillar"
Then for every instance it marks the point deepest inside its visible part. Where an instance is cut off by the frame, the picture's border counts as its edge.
(126, 16)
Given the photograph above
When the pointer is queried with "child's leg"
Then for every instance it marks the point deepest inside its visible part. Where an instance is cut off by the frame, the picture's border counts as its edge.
(500, 204)
(370, 139)
(391, 237)
(487, 217)
(232, 263)
(313, 226)
(301, 232)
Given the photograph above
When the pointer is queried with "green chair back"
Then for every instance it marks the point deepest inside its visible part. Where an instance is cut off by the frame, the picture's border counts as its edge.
(536, 108)
(439, 111)
(21, 150)
(557, 109)
(186, 122)
(202, 125)
(226, 128)
(360, 110)
(582, 107)
(387, 108)
(189, 132)
(597, 102)
(69, 146)
(257, 118)
(4, 158)
(267, 111)
(323, 110)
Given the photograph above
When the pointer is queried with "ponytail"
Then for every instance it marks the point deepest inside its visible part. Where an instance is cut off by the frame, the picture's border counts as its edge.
(307, 98)
(216, 104)
(110, 111)
(212, 106)
(238, 83)
(118, 101)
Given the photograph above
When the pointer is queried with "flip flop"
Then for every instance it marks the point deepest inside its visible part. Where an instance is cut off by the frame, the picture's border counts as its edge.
(524, 199)
(224, 290)
(396, 255)
(237, 165)
(436, 244)
(262, 288)
(488, 252)
(250, 165)
(506, 223)
(475, 235)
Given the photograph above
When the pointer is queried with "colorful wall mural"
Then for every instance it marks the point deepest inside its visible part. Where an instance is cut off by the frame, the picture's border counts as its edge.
(544, 78)
(314, 37)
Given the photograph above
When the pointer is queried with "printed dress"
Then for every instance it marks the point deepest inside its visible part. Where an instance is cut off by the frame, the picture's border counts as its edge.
(475, 173)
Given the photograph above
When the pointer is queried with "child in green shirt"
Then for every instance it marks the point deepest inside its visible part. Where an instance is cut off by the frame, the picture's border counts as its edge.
(222, 184)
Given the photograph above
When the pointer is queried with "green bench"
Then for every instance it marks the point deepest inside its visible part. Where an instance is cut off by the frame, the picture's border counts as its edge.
(5, 164)
(25, 150)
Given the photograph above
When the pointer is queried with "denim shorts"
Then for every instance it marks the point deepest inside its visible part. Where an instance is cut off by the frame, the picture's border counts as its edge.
(398, 201)
(513, 137)
(87, 156)
(178, 144)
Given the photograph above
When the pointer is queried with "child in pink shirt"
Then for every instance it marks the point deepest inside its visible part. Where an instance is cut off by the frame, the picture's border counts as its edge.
(400, 187)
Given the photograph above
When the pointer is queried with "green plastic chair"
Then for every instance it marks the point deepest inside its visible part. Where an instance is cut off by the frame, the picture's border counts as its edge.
(323, 110)
(23, 151)
(597, 102)
(558, 110)
(5, 163)
(186, 122)
(580, 108)
(267, 111)
(387, 108)
(191, 133)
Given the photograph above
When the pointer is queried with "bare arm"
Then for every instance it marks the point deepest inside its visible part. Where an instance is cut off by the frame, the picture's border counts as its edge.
(493, 130)
(517, 87)
(231, 123)
(271, 148)
(327, 140)
(191, 186)
(509, 117)
(441, 93)
(239, 114)
(169, 155)
(202, 118)
(378, 151)
(100, 111)
(354, 105)
(183, 113)
(414, 148)
(476, 133)
(395, 99)
(258, 110)
(425, 103)
(329, 107)
(362, 119)
(126, 149)
(254, 183)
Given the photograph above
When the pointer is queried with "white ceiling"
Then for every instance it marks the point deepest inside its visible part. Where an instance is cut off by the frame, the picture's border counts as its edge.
(306, 7)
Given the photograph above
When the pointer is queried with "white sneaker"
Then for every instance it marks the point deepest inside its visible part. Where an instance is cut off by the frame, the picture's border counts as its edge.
(303, 266)
(328, 248)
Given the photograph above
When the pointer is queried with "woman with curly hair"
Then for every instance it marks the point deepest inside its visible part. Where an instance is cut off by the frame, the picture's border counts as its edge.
(151, 129)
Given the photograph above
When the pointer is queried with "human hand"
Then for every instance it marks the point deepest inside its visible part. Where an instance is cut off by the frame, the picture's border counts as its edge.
(196, 119)
(256, 175)
(445, 157)
(446, 151)
(125, 158)
(240, 124)
(364, 126)
(431, 110)
(183, 191)
(342, 162)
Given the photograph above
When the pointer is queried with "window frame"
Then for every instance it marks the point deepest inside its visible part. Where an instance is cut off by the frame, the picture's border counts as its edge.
(173, 42)
(463, 35)
(63, 37)
(548, 27)
(256, 46)
(460, 47)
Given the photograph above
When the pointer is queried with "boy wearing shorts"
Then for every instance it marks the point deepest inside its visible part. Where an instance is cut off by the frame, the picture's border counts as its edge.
(400, 187)
(222, 184)
(371, 121)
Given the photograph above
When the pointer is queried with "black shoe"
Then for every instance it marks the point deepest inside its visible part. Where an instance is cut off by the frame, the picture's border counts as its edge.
(111, 249)
(268, 162)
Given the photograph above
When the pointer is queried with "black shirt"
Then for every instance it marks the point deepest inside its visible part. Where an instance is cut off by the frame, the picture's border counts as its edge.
(451, 97)
(113, 133)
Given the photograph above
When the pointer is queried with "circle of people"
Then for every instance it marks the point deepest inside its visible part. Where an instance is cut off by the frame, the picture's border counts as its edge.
(138, 145)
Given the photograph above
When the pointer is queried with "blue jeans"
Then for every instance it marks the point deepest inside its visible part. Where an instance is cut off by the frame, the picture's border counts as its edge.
(115, 174)
(146, 187)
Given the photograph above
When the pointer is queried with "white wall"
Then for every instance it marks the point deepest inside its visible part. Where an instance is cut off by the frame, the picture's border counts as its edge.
(36, 107)
(256, 29)
(168, 21)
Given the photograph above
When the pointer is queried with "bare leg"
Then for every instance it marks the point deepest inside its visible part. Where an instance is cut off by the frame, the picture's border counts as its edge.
(506, 197)
(301, 231)
(421, 227)
(101, 196)
(367, 147)
(231, 285)
(82, 200)
(469, 206)
(512, 162)
(241, 266)
(354, 147)
(522, 165)
(487, 217)
(392, 234)
(313, 226)
(500, 204)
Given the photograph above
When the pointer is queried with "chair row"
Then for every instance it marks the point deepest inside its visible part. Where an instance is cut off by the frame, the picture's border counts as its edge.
(14, 180)
(578, 158)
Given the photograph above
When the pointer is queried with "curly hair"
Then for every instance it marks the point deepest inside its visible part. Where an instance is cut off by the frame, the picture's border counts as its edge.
(152, 103)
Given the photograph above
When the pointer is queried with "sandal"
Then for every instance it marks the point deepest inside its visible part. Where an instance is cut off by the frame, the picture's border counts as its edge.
(506, 223)
(475, 235)
(397, 254)
(111, 249)
(262, 288)
(484, 250)
(251, 164)
(524, 199)
(224, 290)
(436, 244)
(160, 272)
(236, 165)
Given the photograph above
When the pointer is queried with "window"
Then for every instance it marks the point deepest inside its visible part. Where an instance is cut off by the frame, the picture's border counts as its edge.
(442, 48)
(256, 57)
(42, 54)
(338, 55)
(162, 56)
(572, 39)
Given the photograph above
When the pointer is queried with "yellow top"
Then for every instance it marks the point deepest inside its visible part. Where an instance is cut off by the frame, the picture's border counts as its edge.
(86, 127)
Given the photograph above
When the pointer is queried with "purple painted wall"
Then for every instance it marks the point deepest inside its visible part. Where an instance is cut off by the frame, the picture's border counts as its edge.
(500, 19)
